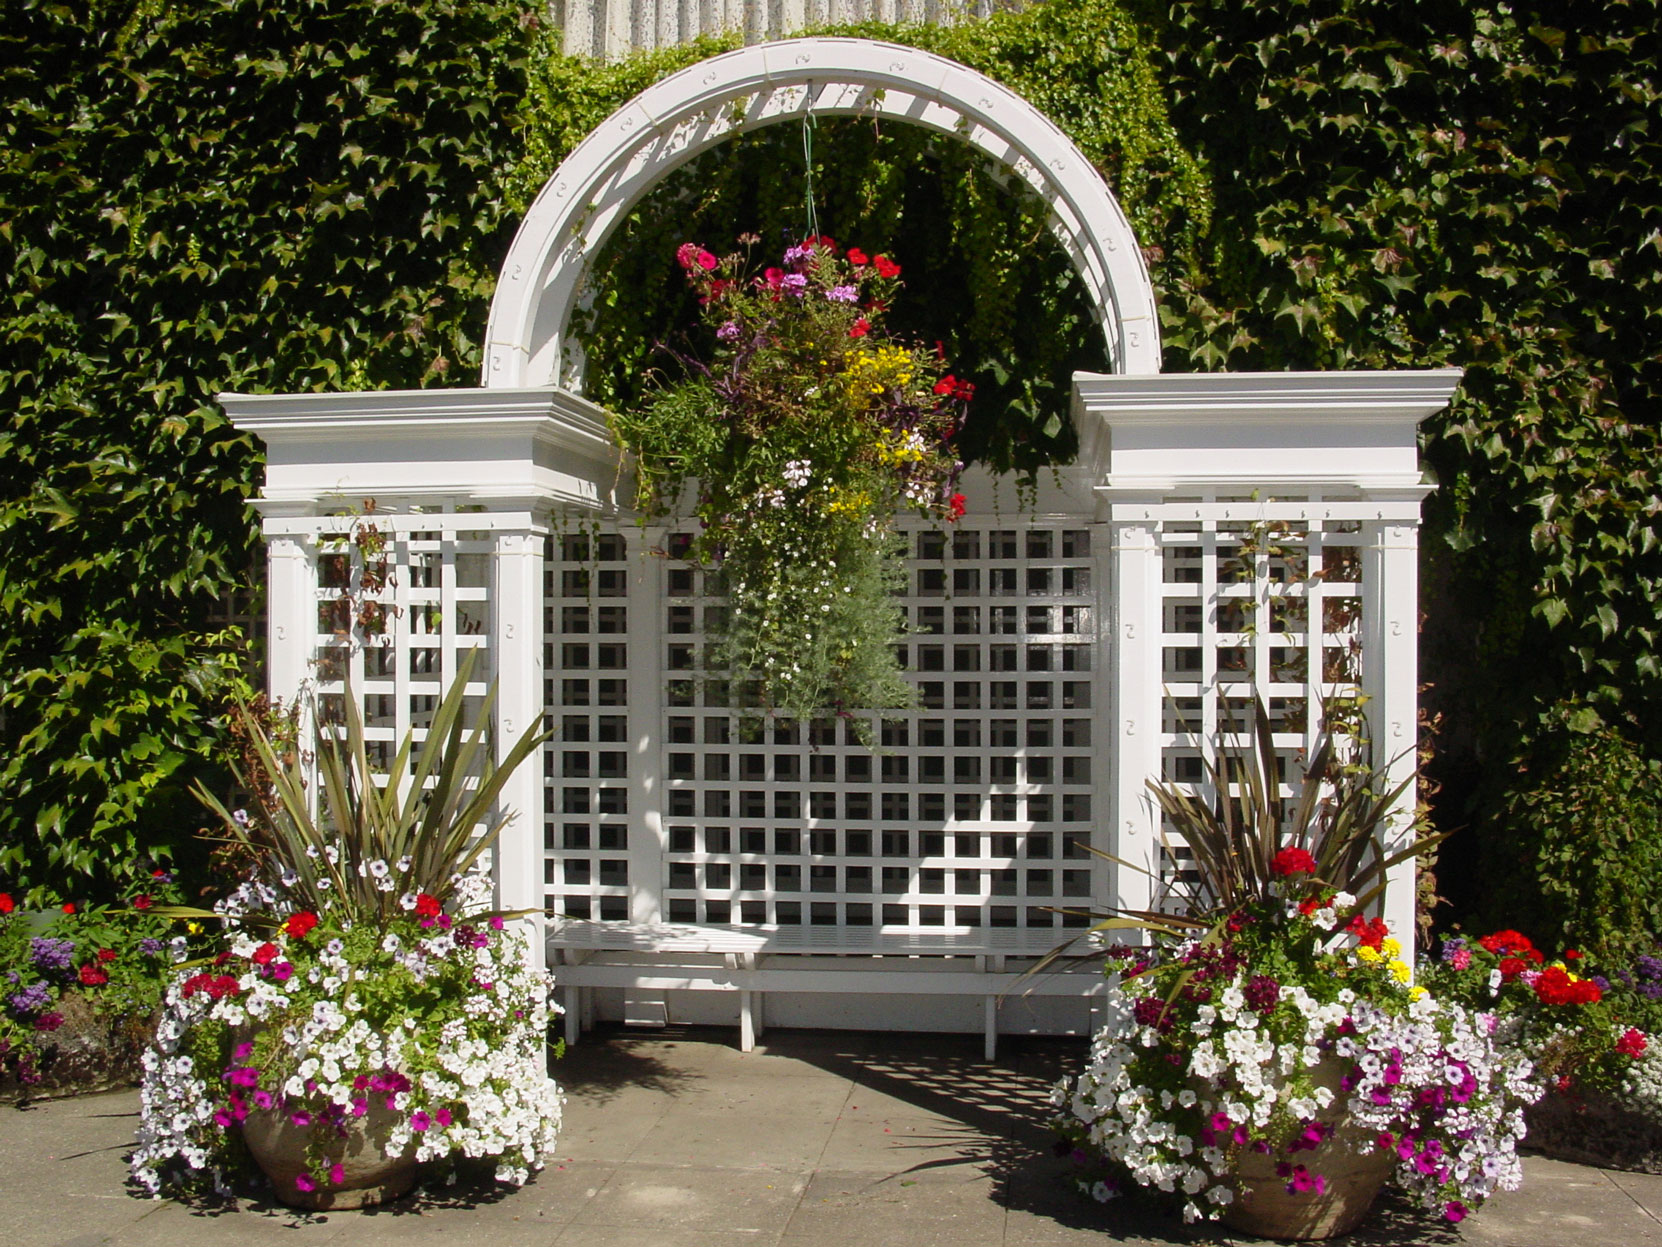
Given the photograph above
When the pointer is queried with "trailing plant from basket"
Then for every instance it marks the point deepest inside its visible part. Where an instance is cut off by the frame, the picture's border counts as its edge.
(1225, 1030)
(359, 965)
(805, 429)
(1587, 1027)
(107, 961)
(426, 820)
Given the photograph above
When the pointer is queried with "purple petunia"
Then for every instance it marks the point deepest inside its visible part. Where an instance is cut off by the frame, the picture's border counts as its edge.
(843, 294)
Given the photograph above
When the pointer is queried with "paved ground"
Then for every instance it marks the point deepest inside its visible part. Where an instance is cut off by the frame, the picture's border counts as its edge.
(820, 1139)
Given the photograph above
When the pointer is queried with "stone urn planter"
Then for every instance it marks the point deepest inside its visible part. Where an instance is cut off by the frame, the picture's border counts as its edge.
(1352, 1168)
(1264, 1207)
(368, 1176)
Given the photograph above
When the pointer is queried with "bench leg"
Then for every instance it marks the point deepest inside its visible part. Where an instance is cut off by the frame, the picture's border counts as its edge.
(747, 1021)
(574, 1014)
(750, 1010)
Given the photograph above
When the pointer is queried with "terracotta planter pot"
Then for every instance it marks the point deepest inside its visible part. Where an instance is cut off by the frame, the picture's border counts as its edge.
(371, 1177)
(1352, 1178)
(1264, 1207)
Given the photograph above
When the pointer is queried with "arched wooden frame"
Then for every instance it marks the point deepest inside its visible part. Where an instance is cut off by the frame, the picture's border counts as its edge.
(528, 342)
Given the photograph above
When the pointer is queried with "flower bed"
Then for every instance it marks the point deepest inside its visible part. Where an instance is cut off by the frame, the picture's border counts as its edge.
(81, 987)
(1588, 1028)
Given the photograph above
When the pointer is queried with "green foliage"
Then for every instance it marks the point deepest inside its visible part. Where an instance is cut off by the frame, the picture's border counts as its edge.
(984, 278)
(1582, 851)
(220, 194)
(1458, 184)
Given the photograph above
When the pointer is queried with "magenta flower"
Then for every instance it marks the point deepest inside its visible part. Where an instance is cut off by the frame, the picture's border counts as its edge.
(337, 1174)
(443, 1117)
(419, 1120)
(262, 1099)
(304, 1182)
(242, 1051)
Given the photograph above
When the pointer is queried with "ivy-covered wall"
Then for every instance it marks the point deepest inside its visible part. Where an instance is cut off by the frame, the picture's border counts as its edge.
(253, 195)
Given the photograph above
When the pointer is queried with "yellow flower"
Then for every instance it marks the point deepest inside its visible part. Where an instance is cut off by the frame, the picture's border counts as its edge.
(1416, 992)
(1390, 948)
(1367, 954)
(195, 928)
(1401, 970)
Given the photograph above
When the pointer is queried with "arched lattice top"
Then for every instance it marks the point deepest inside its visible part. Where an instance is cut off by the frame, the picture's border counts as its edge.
(528, 341)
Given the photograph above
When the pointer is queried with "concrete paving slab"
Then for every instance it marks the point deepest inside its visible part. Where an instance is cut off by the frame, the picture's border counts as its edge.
(694, 1198)
(822, 1138)
(839, 1208)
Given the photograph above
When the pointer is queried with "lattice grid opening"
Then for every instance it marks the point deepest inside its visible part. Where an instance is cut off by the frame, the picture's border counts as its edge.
(972, 812)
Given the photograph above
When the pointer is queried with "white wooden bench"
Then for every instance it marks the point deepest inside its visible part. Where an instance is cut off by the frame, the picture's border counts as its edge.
(754, 960)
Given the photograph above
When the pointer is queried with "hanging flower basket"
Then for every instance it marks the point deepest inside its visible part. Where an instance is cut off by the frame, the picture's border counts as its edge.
(806, 430)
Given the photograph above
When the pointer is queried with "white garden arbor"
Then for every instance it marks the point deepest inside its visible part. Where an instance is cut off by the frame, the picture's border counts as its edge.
(1219, 532)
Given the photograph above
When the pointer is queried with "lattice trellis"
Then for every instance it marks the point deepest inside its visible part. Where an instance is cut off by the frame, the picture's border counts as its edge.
(972, 812)
(1256, 599)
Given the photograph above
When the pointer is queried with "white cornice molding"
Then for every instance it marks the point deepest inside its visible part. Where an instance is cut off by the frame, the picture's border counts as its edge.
(1153, 435)
(493, 447)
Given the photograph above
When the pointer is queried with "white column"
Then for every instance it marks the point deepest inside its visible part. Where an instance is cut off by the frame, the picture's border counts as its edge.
(291, 614)
(1135, 661)
(648, 841)
(1390, 596)
(517, 646)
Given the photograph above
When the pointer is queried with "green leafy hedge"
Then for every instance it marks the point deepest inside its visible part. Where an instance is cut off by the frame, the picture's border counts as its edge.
(219, 194)
(241, 193)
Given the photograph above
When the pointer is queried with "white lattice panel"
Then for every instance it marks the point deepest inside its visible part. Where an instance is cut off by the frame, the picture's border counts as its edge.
(971, 813)
(1254, 600)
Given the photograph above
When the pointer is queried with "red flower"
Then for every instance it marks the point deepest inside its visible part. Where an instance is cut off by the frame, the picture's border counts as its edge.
(1555, 987)
(1571, 954)
(1507, 944)
(821, 242)
(6, 903)
(106, 954)
(955, 507)
(1293, 860)
(1632, 1043)
(1368, 933)
(1511, 967)
(427, 906)
(859, 328)
(857, 257)
(92, 976)
(886, 267)
(296, 926)
(69, 907)
(946, 384)
(141, 901)
(264, 954)
(158, 873)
